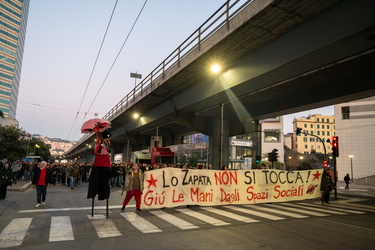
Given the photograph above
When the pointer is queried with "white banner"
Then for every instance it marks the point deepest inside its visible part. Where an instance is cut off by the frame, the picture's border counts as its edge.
(170, 187)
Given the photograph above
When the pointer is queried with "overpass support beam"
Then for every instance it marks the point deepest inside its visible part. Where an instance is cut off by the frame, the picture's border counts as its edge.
(127, 151)
(219, 143)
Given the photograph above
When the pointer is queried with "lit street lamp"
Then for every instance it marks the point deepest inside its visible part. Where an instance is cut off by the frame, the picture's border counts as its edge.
(351, 167)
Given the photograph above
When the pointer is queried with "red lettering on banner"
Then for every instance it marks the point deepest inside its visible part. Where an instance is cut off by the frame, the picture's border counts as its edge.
(226, 177)
(180, 197)
(256, 196)
(153, 199)
(229, 197)
(198, 196)
(288, 192)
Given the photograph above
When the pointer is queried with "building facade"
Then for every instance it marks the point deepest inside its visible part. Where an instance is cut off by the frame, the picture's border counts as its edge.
(355, 127)
(322, 126)
(13, 22)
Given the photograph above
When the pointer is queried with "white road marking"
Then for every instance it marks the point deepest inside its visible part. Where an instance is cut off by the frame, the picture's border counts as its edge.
(230, 215)
(104, 227)
(180, 223)
(256, 213)
(15, 232)
(41, 210)
(141, 224)
(278, 212)
(203, 217)
(61, 229)
(298, 210)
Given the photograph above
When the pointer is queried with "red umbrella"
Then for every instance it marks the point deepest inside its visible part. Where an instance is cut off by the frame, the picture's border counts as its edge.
(95, 125)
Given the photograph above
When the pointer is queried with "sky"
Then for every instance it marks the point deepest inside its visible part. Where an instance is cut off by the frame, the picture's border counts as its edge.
(57, 90)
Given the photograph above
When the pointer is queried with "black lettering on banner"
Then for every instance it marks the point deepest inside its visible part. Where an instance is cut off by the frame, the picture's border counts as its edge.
(250, 180)
(164, 185)
(184, 182)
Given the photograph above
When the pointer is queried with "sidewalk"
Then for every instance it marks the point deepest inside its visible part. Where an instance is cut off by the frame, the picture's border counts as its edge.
(20, 186)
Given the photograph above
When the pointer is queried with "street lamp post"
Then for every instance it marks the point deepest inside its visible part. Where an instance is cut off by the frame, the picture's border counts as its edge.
(351, 167)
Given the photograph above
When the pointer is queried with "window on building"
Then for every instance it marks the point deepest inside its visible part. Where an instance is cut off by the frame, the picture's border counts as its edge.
(328, 133)
(327, 126)
(322, 119)
(311, 126)
(323, 126)
(312, 146)
(305, 125)
(318, 126)
(305, 139)
(306, 146)
(327, 119)
(318, 132)
(272, 135)
(312, 139)
(317, 119)
(345, 111)
(311, 132)
(323, 133)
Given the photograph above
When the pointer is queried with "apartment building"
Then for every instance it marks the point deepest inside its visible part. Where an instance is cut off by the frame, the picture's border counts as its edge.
(318, 128)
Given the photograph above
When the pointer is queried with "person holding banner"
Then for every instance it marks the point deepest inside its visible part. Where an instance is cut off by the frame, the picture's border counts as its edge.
(133, 187)
(326, 186)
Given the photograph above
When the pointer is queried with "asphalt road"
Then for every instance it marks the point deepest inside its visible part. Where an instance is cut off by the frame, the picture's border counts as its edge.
(66, 222)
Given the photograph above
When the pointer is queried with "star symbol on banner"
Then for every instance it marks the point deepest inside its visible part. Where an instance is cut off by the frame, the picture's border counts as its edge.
(316, 175)
(152, 182)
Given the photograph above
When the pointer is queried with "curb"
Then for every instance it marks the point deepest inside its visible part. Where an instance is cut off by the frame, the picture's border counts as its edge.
(23, 188)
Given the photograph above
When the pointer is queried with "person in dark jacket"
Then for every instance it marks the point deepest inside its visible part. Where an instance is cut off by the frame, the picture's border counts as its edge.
(42, 177)
(5, 179)
(326, 186)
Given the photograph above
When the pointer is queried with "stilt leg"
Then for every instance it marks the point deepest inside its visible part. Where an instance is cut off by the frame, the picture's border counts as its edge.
(107, 208)
(92, 208)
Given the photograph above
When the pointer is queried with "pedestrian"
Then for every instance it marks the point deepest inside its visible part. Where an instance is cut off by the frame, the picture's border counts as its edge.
(133, 187)
(326, 186)
(42, 177)
(16, 167)
(73, 175)
(5, 179)
(101, 171)
(347, 180)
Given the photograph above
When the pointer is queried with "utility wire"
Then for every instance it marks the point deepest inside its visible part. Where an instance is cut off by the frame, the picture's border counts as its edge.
(110, 69)
(92, 71)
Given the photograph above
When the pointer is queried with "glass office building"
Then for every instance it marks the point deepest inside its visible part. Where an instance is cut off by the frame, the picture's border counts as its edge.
(13, 22)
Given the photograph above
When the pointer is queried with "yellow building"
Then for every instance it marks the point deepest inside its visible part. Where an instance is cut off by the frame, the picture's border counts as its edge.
(322, 126)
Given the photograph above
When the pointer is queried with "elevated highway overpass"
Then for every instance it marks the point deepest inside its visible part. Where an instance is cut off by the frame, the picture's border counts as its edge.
(277, 57)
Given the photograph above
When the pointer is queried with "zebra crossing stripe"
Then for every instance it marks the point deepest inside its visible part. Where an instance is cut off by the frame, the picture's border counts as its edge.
(230, 215)
(345, 210)
(61, 229)
(141, 224)
(180, 223)
(104, 227)
(256, 213)
(203, 217)
(298, 216)
(326, 209)
(15, 232)
(299, 210)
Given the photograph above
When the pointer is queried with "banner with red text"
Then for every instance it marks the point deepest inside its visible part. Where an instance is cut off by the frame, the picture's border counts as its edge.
(170, 187)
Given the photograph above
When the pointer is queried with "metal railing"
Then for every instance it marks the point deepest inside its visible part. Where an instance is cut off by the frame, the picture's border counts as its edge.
(217, 20)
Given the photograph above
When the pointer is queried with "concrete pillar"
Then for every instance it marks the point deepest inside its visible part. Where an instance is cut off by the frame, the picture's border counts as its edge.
(214, 144)
(127, 151)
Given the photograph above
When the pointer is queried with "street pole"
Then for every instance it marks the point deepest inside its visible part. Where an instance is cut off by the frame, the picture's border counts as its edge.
(334, 175)
(351, 167)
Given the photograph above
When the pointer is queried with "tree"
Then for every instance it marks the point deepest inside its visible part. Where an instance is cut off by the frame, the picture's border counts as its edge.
(12, 143)
(1, 114)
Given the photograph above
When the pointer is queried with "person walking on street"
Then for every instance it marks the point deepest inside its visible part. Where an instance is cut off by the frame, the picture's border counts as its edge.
(347, 180)
(16, 167)
(5, 180)
(42, 177)
(133, 187)
(326, 186)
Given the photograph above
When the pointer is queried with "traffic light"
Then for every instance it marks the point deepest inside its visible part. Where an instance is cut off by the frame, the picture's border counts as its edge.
(335, 146)
(258, 159)
(325, 164)
(298, 131)
(270, 157)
